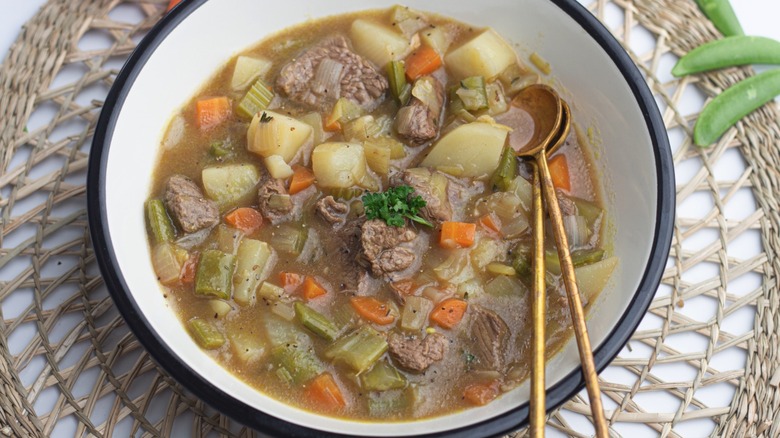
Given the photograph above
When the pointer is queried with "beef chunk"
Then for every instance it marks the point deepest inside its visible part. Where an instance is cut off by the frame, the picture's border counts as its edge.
(331, 210)
(381, 248)
(302, 79)
(418, 122)
(190, 209)
(270, 210)
(435, 210)
(490, 335)
(346, 258)
(414, 353)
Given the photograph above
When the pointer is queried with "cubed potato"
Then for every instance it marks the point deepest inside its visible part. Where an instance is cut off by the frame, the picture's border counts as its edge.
(277, 167)
(339, 165)
(378, 43)
(229, 184)
(487, 55)
(272, 133)
(470, 150)
(247, 70)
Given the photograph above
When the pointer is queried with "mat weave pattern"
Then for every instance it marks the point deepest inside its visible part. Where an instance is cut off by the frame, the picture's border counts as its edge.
(70, 367)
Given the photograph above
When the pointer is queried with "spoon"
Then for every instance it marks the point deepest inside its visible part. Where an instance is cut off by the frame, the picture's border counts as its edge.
(544, 104)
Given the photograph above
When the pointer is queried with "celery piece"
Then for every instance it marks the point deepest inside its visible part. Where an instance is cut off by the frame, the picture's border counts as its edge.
(382, 377)
(359, 349)
(396, 147)
(256, 99)
(582, 257)
(415, 313)
(318, 323)
(551, 262)
(284, 310)
(503, 286)
(289, 239)
(588, 209)
(284, 376)
(496, 100)
(362, 129)
(227, 238)
(400, 89)
(270, 292)
(473, 94)
(501, 269)
(506, 171)
(344, 111)
(159, 221)
(299, 361)
(214, 276)
(205, 334)
(387, 404)
(280, 202)
(253, 261)
(220, 308)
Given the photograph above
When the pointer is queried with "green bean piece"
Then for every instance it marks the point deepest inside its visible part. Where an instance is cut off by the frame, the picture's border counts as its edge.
(205, 334)
(736, 102)
(159, 221)
(359, 349)
(214, 276)
(401, 90)
(506, 171)
(315, 321)
(299, 362)
(382, 377)
(728, 52)
(722, 15)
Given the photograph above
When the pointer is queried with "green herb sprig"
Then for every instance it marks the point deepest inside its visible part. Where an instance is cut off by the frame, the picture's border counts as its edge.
(393, 205)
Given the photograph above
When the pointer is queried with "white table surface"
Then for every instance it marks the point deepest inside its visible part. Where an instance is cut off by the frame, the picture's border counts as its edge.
(758, 17)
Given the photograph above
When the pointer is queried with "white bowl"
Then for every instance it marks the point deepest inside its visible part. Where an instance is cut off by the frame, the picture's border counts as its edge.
(187, 47)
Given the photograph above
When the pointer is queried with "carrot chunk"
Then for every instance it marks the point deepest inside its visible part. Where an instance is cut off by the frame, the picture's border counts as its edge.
(245, 219)
(311, 289)
(372, 309)
(490, 222)
(480, 394)
(290, 280)
(301, 180)
(457, 234)
(189, 268)
(559, 171)
(325, 392)
(421, 62)
(212, 111)
(449, 312)
(172, 4)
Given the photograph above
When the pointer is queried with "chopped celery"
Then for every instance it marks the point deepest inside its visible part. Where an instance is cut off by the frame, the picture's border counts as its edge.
(359, 349)
(166, 263)
(408, 20)
(299, 361)
(214, 276)
(284, 310)
(501, 269)
(382, 377)
(220, 308)
(159, 221)
(472, 93)
(343, 315)
(396, 147)
(551, 261)
(506, 171)
(344, 111)
(584, 257)
(361, 129)
(270, 292)
(253, 261)
(289, 239)
(503, 285)
(589, 210)
(284, 376)
(280, 202)
(205, 334)
(316, 322)
(496, 100)
(388, 404)
(256, 99)
(227, 238)
(400, 89)
(415, 313)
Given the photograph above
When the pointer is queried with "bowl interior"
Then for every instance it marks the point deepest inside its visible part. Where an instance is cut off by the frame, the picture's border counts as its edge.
(601, 97)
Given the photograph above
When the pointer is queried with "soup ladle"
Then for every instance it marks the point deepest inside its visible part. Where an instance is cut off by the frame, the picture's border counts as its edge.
(550, 129)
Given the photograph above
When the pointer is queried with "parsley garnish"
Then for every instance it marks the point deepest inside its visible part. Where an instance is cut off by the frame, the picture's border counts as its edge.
(265, 118)
(393, 205)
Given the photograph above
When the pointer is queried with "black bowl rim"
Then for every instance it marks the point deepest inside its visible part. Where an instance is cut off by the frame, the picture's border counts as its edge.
(504, 423)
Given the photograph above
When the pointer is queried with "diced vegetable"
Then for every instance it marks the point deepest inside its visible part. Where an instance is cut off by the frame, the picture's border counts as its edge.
(359, 349)
(382, 377)
(480, 394)
(378, 43)
(254, 259)
(227, 238)
(438, 37)
(577, 231)
(373, 310)
(318, 323)
(523, 189)
(495, 98)
(474, 149)
(405, 287)
(280, 332)
(540, 63)
(247, 70)
(582, 257)
(559, 171)
(256, 100)
(215, 274)
(339, 165)
(299, 360)
(272, 133)
(344, 111)
(220, 150)
(486, 251)
(314, 120)
(522, 259)
(166, 263)
(408, 20)
(277, 167)
(289, 239)
(281, 202)
(591, 279)
(271, 292)
(500, 269)
(435, 294)
(472, 93)
(171, 4)
(486, 55)
(324, 391)
(284, 310)
(220, 308)
(470, 289)
(245, 219)
(514, 227)
(231, 183)
(457, 235)
(159, 222)
(455, 268)
(188, 269)
(302, 178)
(377, 157)
(506, 171)
(290, 280)
(400, 89)
(449, 312)
(504, 286)
(312, 289)
(590, 211)
(205, 334)
(415, 313)
(396, 147)
(423, 61)
(246, 345)
(211, 112)
(490, 222)
(361, 129)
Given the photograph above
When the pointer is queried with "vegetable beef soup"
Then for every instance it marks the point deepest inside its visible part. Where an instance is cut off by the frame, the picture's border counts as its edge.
(338, 217)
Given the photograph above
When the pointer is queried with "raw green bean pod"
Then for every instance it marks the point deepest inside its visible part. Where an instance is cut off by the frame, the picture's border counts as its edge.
(733, 104)
(728, 52)
(722, 16)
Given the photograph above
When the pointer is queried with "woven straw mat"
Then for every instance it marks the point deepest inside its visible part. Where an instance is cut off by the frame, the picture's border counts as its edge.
(70, 367)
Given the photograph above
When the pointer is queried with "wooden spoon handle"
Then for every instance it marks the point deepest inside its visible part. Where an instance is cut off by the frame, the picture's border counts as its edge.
(538, 386)
(575, 302)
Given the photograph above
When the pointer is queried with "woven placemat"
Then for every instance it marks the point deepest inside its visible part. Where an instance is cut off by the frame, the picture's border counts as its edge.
(70, 367)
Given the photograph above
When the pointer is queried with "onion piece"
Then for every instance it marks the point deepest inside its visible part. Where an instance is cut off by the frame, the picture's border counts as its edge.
(327, 78)
(577, 231)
